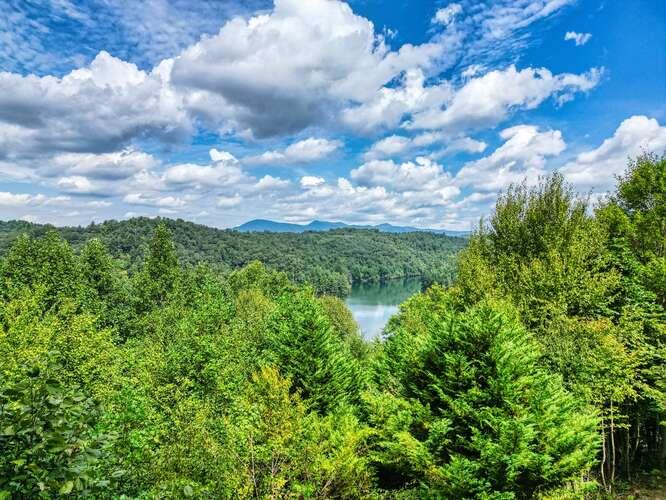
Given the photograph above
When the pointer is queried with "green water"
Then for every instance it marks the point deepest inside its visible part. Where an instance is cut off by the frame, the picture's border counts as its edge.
(373, 304)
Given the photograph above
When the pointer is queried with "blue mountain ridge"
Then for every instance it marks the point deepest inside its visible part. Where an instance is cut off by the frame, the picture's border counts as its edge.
(259, 225)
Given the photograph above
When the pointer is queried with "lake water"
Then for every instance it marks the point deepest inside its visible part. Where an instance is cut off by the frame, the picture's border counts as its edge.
(373, 304)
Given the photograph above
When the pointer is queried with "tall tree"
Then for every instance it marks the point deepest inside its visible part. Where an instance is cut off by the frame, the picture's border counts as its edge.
(635, 220)
(468, 410)
(160, 268)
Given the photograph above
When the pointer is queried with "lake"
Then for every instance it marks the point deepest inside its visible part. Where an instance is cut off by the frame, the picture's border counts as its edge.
(373, 304)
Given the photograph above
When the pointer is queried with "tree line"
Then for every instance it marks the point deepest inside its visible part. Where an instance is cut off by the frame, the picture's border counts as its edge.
(330, 261)
(538, 373)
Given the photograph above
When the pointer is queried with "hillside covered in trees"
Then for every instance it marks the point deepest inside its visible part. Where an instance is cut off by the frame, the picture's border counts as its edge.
(329, 260)
(539, 373)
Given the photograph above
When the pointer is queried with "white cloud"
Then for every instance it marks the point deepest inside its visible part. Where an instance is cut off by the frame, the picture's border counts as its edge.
(472, 70)
(216, 156)
(488, 100)
(598, 167)
(493, 32)
(520, 158)
(146, 33)
(170, 202)
(202, 175)
(482, 101)
(78, 184)
(447, 14)
(420, 175)
(309, 181)
(8, 199)
(225, 171)
(306, 151)
(279, 72)
(98, 108)
(106, 166)
(396, 145)
(578, 38)
(389, 105)
(229, 201)
(389, 146)
(310, 150)
(98, 204)
(269, 183)
(379, 196)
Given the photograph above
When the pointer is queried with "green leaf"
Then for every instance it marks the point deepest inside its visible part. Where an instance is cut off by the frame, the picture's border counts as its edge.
(117, 473)
(187, 491)
(66, 488)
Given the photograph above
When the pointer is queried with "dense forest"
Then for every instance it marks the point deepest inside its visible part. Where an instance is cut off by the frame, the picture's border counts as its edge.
(538, 373)
(329, 261)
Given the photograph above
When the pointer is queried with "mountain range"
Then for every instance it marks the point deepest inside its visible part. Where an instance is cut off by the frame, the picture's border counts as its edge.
(263, 225)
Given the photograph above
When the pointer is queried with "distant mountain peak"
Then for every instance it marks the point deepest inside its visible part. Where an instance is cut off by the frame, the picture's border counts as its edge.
(259, 225)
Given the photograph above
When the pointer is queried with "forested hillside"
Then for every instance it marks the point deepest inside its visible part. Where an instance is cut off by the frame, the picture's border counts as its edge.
(328, 260)
(539, 373)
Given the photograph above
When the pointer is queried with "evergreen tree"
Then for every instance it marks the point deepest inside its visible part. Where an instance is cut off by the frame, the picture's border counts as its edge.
(469, 412)
(301, 341)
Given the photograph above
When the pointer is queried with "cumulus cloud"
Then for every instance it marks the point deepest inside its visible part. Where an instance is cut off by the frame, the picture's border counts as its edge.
(270, 183)
(264, 80)
(97, 108)
(224, 171)
(389, 146)
(254, 78)
(203, 175)
(8, 199)
(578, 38)
(388, 107)
(306, 151)
(79, 184)
(376, 194)
(420, 175)
(597, 168)
(488, 100)
(396, 145)
(169, 202)
(106, 166)
(216, 156)
(520, 158)
(480, 102)
(308, 181)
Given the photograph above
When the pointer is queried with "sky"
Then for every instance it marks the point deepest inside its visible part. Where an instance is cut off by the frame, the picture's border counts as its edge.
(408, 112)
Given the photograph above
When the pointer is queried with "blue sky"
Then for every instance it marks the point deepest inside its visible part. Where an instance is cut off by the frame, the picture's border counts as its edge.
(367, 111)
